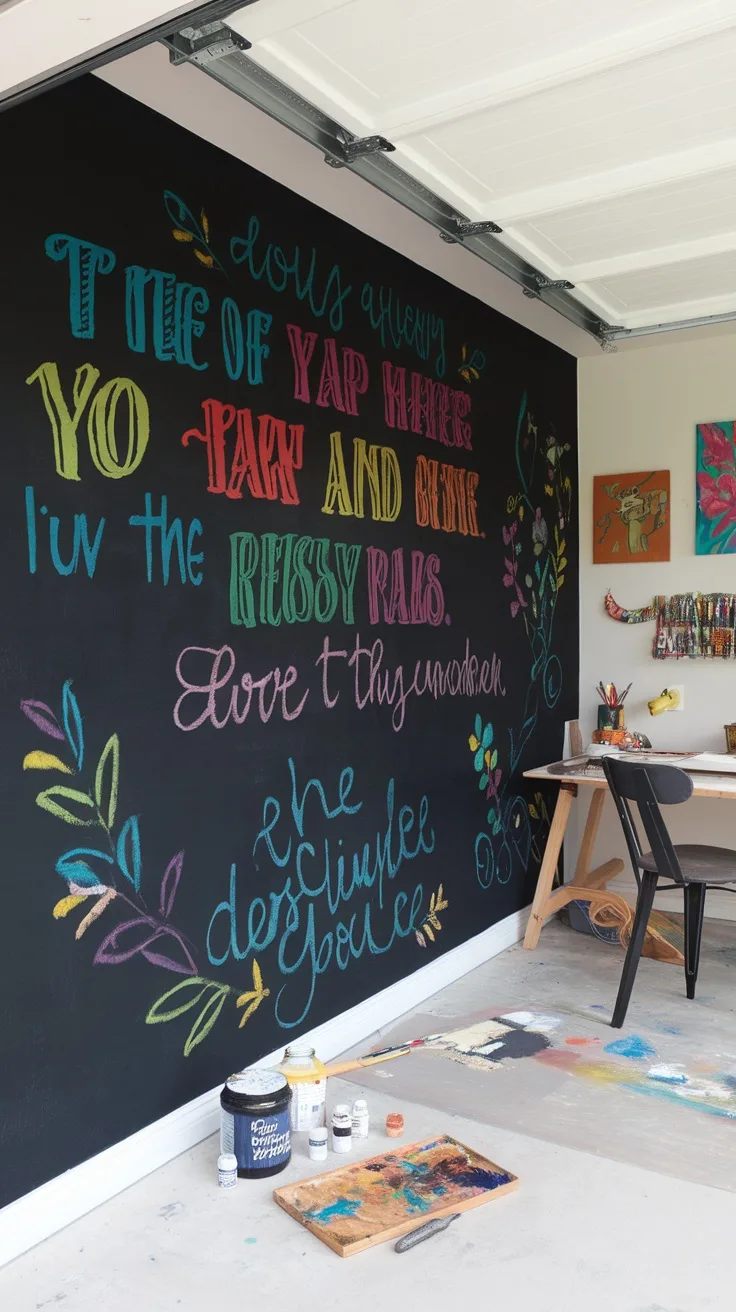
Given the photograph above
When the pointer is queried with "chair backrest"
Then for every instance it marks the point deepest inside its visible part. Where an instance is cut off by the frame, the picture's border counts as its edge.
(648, 786)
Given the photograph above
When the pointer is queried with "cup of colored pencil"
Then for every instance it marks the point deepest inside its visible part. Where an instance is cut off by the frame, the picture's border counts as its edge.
(611, 713)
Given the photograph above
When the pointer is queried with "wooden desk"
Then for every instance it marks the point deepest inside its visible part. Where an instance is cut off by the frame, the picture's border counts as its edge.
(589, 885)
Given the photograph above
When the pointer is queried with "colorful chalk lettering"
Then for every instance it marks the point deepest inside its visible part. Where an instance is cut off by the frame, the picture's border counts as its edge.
(103, 423)
(299, 571)
(418, 599)
(376, 465)
(266, 463)
(425, 407)
(456, 497)
(340, 384)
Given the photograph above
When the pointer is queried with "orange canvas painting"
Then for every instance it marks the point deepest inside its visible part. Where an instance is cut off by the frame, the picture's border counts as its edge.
(631, 517)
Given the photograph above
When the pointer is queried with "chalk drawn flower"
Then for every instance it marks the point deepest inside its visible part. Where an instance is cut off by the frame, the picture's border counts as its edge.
(540, 532)
(485, 761)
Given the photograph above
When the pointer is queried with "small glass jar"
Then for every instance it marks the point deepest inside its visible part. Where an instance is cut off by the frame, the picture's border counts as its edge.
(308, 1083)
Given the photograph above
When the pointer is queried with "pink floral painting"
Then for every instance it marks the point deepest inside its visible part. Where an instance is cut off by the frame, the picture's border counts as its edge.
(715, 525)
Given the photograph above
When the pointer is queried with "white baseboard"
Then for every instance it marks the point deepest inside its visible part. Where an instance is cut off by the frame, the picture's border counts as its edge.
(56, 1204)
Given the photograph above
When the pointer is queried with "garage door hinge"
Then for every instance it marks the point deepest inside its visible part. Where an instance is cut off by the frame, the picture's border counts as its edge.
(548, 285)
(352, 149)
(464, 228)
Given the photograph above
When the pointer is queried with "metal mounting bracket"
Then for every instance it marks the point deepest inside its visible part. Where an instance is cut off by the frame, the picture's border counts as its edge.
(548, 285)
(202, 45)
(355, 147)
(465, 228)
(608, 335)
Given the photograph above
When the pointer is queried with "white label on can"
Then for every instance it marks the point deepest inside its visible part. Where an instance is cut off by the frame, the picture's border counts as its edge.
(227, 1132)
(308, 1104)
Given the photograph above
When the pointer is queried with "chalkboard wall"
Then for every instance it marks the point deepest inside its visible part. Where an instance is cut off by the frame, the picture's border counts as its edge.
(289, 603)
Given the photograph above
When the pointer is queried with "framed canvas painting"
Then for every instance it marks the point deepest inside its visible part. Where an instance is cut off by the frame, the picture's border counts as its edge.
(715, 517)
(631, 517)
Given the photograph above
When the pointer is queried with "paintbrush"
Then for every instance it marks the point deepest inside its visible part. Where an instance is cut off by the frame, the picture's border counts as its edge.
(486, 1029)
(373, 1058)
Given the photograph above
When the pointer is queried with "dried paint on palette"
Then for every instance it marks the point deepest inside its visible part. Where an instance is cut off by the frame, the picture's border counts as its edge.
(355, 1206)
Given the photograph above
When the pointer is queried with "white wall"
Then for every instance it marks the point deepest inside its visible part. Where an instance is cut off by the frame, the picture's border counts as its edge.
(639, 410)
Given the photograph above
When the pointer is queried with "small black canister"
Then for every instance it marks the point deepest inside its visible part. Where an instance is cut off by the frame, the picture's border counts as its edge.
(255, 1122)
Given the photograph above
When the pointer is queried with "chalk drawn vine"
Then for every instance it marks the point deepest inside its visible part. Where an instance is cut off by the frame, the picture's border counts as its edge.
(534, 573)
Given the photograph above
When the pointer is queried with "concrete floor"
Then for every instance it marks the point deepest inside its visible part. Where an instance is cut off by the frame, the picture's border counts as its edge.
(582, 1232)
(601, 1102)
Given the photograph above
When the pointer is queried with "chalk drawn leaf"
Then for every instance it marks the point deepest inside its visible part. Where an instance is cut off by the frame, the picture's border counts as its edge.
(478, 760)
(533, 811)
(67, 904)
(206, 1018)
(494, 760)
(137, 934)
(170, 883)
(478, 727)
(483, 782)
(205, 226)
(253, 997)
(186, 967)
(128, 851)
(187, 995)
(77, 871)
(106, 789)
(473, 743)
(96, 911)
(47, 800)
(181, 216)
(179, 235)
(421, 940)
(44, 761)
(43, 717)
(487, 738)
(208, 261)
(72, 718)
(428, 931)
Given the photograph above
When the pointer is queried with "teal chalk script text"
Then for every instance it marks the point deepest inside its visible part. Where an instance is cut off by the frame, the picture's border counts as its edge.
(345, 884)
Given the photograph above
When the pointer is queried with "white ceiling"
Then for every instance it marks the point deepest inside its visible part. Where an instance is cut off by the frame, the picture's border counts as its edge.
(42, 36)
(602, 138)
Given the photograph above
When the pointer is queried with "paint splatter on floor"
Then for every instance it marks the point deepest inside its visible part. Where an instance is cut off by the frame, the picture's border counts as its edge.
(250, 1240)
(633, 1047)
(581, 1042)
(669, 1074)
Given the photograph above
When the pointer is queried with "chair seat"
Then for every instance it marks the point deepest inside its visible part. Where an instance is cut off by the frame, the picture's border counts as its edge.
(700, 863)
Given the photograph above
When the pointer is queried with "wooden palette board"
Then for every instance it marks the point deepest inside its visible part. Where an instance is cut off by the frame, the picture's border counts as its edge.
(384, 1197)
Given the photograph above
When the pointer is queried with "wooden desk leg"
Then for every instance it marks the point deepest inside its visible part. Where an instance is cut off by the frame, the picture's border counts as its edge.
(590, 832)
(549, 864)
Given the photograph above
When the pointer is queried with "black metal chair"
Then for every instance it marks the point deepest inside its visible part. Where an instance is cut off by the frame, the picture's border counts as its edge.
(690, 866)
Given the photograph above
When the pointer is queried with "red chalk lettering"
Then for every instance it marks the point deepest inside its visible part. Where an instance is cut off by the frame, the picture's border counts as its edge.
(267, 463)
